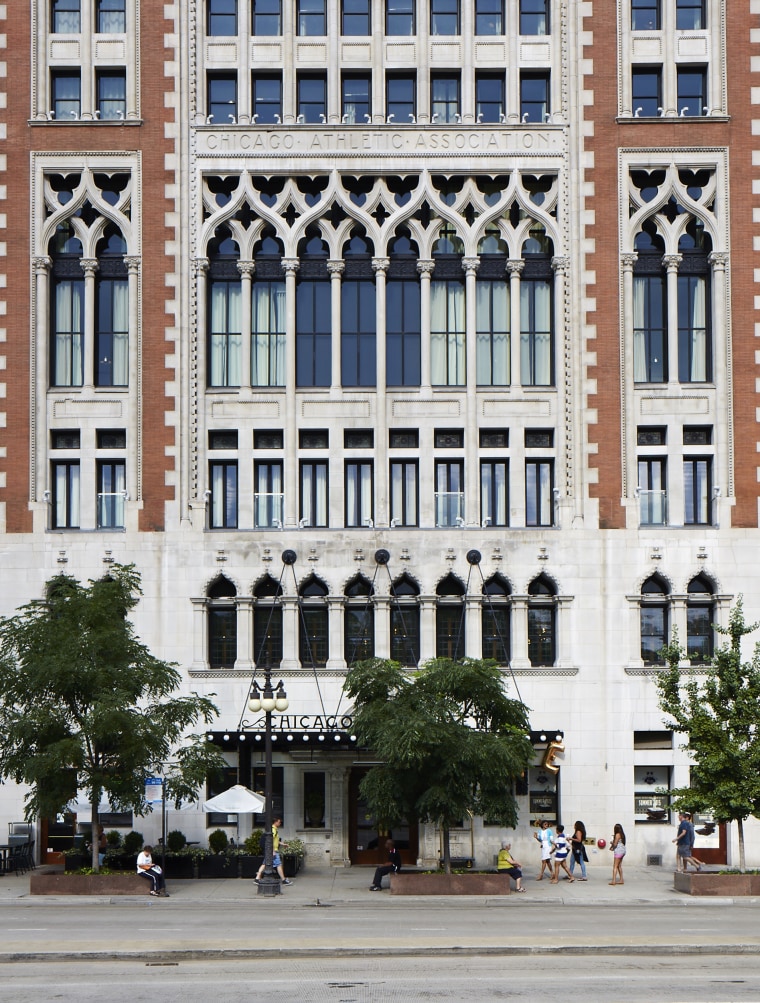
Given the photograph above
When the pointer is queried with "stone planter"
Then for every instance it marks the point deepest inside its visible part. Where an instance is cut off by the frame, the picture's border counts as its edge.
(291, 865)
(413, 883)
(87, 884)
(712, 883)
(248, 865)
(218, 865)
(179, 866)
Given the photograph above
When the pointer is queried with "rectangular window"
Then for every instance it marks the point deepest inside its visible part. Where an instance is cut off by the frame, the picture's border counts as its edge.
(112, 94)
(651, 803)
(314, 493)
(691, 82)
(400, 98)
(222, 98)
(314, 800)
(402, 333)
(489, 17)
(697, 491)
(359, 494)
(542, 648)
(534, 17)
(356, 98)
(449, 631)
(112, 334)
(313, 438)
(690, 15)
(267, 17)
(645, 15)
(223, 438)
(534, 97)
(66, 94)
(266, 95)
(112, 17)
(444, 97)
(67, 438)
(222, 17)
(222, 636)
(489, 97)
(449, 493)
(699, 633)
(494, 493)
(313, 334)
(444, 17)
(65, 500)
(356, 18)
(447, 348)
(223, 507)
(694, 347)
(267, 494)
(405, 633)
(312, 17)
(649, 329)
(536, 350)
(358, 355)
(496, 639)
(112, 491)
(539, 492)
(653, 495)
(268, 334)
(646, 91)
(492, 332)
(312, 97)
(111, 438)
(225, 334)
(403, 488)
(267, 633)
(67, 18)
(654, 633)
(404, 438)
(67, 364)
(399, 17)
(358, 438)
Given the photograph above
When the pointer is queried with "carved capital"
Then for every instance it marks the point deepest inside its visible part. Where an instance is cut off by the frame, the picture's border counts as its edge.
(628, 260)
(133, 262)
(200, 265)
(471, 264)
(290, 265)
(672, 261)
(89, 266)
(561, 264)
(515, 266)
(335, 267)
(381, 264)
(718, 259)
(246, 267)
(42, 264)
(425, 266)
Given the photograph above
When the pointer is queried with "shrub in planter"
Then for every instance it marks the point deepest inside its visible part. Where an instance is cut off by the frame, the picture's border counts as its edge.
(133, 843)
(113, 839)
(218, 841)
(253, 843)
(175, 841)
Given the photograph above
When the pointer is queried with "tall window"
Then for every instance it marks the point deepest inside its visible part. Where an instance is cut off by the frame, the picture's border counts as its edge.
(66, 94)
(450, 619)
(646, 90)
(697, 491)
(400, 99)
(222, 17)
(358, 622)
(222, 624)
(359, 493)
(112, 490)
(494, 493)
(405, 622)
(267, 97)
(222, 97)
(534, 17)
(534, 97)
(691, 83)
(267, 17)
(313, 319)
(112, 16)
(358, 354)
(68, 333)
(314, 644)
(700, 616)
(267, 495)
(653, 495)
(645, 15)
(267, 623)
(539, 492)
(112, 94)
(542, 622)
(312, 96)
(694, 355)
(223, 503)
(444, 17)
(268, 333)
(112, 336)
(403, 488)
(654, 620)
(449, 492)
(356, 100)
(492, 326)
(67, 18)
(495, 620)
(649, 329)
(399, 17)
(311, 17)
(225, 334)
(356, 17)
(489, 97)
(66, 494)
(690, 15)
(536, 332)
(489, 17)
(314, 493)
(402, 316)
(444, 97)
(447, 321)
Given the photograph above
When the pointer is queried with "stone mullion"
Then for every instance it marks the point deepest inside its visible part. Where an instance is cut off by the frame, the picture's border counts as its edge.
(290, 266)
(381, 515)
(471, 513)
(425, 268)
(335, 269)
(246, 269)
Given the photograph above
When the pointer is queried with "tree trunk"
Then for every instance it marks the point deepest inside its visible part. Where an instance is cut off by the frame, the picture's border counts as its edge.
(740, 823)
(446, 850)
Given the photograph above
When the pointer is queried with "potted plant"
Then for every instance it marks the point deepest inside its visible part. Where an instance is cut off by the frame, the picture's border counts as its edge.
(252, 856)
(218, 863)
(292, 852)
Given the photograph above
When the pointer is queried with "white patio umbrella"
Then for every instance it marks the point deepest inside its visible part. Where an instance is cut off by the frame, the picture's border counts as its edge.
(238, 800)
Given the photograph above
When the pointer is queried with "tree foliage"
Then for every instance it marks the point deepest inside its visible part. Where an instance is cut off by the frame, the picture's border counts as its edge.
(719, 716)
(451, 742)
(85, 706)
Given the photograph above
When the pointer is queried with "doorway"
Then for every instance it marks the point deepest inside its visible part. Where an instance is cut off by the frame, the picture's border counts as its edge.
(367, 836)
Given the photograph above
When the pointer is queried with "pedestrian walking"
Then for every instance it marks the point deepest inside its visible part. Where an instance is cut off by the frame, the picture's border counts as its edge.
(561, 851)
(685, 844)
(545, 839)
(276, 859)
(578, 844)
(617, 845)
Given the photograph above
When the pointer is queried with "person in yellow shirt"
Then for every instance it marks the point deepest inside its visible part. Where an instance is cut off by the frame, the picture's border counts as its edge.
(276, 859)
(506, 864)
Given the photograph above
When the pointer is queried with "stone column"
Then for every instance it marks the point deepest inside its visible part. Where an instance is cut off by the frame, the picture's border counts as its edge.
(519, 626)
(515, 267)
(425, 268)
(244, 658)
(427, 627)
(473, 627)
(671, 262)
(630, 476)
(380, 267)
(290, 633)
(335, 658)
(335, 269)
(199, 354)
(246, 269)
(472, 472)
(89, 267)
(200, 634)
(290, 474)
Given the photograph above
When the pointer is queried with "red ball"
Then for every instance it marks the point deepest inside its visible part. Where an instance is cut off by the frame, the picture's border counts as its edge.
(601, 843)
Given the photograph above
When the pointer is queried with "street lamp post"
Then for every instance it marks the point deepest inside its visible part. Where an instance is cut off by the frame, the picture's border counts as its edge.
(268, 700)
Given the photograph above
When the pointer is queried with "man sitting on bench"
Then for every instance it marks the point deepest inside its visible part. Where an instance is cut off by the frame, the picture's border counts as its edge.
(392, 867)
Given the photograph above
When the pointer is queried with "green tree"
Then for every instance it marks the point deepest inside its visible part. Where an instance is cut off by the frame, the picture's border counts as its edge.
(85, 706)
(451, 742)
(720, 718)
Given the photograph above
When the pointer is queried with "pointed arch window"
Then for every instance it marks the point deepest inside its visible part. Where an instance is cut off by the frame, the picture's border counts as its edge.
(313, 638)
(357, 316)
(450, 619)
(402, 315)
(112, 312)
(700, 616)
(542, 622)
(267, 623)
(358, 622)
(313, 316)
(268, 317)
(492, 312)
(405, 622)
(536, 311)
(655, 619)
(67, 322)
(447, 312)
(496, 620)
(222, 624)
(224, 315)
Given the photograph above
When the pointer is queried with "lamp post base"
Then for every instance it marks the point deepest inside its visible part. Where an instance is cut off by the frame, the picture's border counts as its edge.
(269, 884)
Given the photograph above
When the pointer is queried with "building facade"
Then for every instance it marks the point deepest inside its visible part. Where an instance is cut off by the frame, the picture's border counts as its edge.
(392, 327)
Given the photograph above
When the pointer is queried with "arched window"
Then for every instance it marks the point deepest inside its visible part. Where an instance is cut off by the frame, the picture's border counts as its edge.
(358, 621)
(496, 620)
(650, 333)
(313, 635)
(405, 621)
(222, 624)
(67, 321)
(268, 316)
(700, 616)
(694, 306)
(357, 316)
(313, 315)
(542, 622)
(224, 312)
(537, 310)
(112, 312)
(402, 314)
(450, 619)
(655, 609)
(267, 623)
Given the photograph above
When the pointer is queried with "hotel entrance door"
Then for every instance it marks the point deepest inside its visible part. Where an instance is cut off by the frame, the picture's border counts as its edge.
(367, 836)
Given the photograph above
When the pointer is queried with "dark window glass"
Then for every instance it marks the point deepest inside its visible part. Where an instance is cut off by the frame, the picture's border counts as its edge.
(697, 491)
(407, 438)
(536, 332)
(223, 500)
(222, 17)
(649, 329)
(313, 438)
(223, 439)
(267, 494)
(646, 89)
(312, 97)
(448, 438)
(489, 97)
(358, 355)
(313, 320)
(444, 17)
(534, 17)
(312, 17)
(697, 435)
(112, 94)
(654, 633)
(646, 436)
(400, 98)
(267, 98)
(66, 94)
(359, 495)
(314, 496)
(66, 17)
(539, 493)
(65, 500)
(356, 17)
(313, 646)
(405, 633)
(489, 17)
(112, 16)
(65, 439)
(645, 15)
(222, 637)
(356, 103)
(358, 632)
(449, 631)
(399, 17)
(539, 438)
(699, 633)
(444, 97)
(690, 15)
(112, 334)
(267, 634)
(358, 438)
(222, 98)
(541, 634)
(494, 493)
(111, 438)
(653, 495)
(495, 620)
(267, 17)
(67, 363)
(534, 97)
(403, 332)
(692, 90)
(403, 491)
(112, 490)
(493, 438)
(492, 337)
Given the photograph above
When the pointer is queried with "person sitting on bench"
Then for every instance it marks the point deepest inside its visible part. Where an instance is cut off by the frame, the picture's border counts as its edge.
(392, 867)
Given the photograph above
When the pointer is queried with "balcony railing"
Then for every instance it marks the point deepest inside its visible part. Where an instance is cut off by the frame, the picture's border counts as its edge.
(449, 508)
(653, 508)
(268, 510)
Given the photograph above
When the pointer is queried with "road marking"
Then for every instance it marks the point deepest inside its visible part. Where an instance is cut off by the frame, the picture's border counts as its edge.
(159, 929)
(26, 929)
(428, 929)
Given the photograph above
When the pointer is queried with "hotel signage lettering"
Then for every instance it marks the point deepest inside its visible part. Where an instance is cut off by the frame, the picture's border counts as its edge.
(306, 722)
